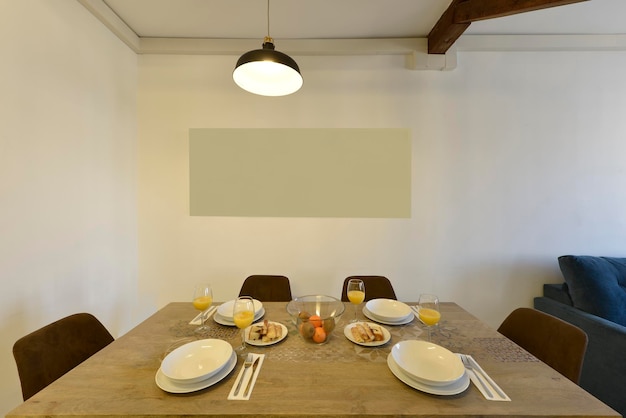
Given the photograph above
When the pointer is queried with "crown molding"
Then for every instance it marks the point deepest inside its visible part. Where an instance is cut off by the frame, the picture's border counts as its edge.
(546, 43)
(414, 49)
(112, 21)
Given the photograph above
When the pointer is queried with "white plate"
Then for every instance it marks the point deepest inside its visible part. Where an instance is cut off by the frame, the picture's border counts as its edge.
(454, 389)
(226, 308)
(389, 309)
(387, 320)
(374, 318)
(169, 386)
(427, 362)
(386, 335)
(261, 343)
(196, 361)
(229, 321)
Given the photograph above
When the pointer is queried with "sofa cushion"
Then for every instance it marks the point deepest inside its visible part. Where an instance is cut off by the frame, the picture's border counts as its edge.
(597, 285)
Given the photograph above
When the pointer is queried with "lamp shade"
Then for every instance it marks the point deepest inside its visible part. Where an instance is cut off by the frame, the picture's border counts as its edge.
(267, 72)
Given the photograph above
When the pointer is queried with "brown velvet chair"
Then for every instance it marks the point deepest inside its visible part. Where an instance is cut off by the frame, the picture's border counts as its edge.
(557, 343)
(267, 288)
(376, 287)
(48, 353)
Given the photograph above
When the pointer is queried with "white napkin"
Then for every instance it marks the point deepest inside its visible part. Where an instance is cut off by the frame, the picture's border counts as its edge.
(240, 396)
(497, 394)
(198, 319)
(416, 311)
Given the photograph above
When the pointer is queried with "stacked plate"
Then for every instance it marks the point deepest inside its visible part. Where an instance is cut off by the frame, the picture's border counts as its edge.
(224, 313)
(428, 367)
(196, 365)
(388, 311)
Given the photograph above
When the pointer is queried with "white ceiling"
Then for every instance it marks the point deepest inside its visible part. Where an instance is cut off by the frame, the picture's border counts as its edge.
(348, 19)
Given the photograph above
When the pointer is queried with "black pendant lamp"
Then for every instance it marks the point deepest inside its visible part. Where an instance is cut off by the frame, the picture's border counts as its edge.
(267, 72)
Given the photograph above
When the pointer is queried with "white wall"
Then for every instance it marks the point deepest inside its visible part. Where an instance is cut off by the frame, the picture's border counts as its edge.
(68, 202)
(517, 158)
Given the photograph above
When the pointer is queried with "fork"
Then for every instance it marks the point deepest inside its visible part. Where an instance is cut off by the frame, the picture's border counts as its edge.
(246, 366)
(468, 366)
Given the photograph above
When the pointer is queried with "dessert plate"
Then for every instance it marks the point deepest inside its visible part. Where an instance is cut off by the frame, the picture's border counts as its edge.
(386, 335)
(259, 343)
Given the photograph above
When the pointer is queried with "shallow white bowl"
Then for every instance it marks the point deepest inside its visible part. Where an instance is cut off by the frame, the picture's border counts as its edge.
(427, 362)
(196, 361)
(226, 308)
(388, 309)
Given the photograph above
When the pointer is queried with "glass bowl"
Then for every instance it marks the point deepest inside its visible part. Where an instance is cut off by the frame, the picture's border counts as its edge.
(315, 316)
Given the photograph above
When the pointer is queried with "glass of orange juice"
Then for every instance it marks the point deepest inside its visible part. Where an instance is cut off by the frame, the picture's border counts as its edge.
(356, 294)
(202, 300)
(243, 315)
(428, 311)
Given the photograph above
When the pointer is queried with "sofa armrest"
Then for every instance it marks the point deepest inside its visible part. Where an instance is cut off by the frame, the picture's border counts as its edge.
(558, 292)
(604, 368)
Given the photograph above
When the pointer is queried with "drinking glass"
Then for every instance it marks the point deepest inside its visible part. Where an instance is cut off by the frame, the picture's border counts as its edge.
(243, 315)
(202, 300)
(356, 294)
(428, 311)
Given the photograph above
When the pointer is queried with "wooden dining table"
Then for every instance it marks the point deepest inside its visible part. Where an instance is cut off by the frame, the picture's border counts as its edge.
(299, 379)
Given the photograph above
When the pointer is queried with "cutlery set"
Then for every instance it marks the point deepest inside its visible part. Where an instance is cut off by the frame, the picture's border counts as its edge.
(198, 319)
(247, 377)
(482, 380)
(246, 366)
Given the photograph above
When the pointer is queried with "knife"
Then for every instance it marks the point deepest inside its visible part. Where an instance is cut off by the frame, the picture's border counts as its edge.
(254, 366)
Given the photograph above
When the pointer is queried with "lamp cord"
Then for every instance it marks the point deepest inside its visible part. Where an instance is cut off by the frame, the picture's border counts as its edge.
(268, 18)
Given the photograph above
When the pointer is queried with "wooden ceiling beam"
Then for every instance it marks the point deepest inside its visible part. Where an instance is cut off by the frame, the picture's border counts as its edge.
(472, 11)
(446, 31)
(461, 13)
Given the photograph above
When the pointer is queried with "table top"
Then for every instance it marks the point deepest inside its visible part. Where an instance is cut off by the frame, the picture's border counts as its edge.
(338, 379)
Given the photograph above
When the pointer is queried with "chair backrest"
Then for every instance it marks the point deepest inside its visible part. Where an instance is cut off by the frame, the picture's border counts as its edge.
(375, 287)
(557, 343)
(48, 353)
(267, 288)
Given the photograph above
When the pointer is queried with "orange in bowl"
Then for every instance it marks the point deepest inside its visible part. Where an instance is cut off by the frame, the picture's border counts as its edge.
(320, 335)
(316, 321)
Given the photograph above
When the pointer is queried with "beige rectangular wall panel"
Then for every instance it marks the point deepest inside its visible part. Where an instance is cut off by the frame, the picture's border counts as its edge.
(359, 173)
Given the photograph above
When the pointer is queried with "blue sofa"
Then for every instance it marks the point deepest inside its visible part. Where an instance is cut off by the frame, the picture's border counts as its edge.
(593, 298)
